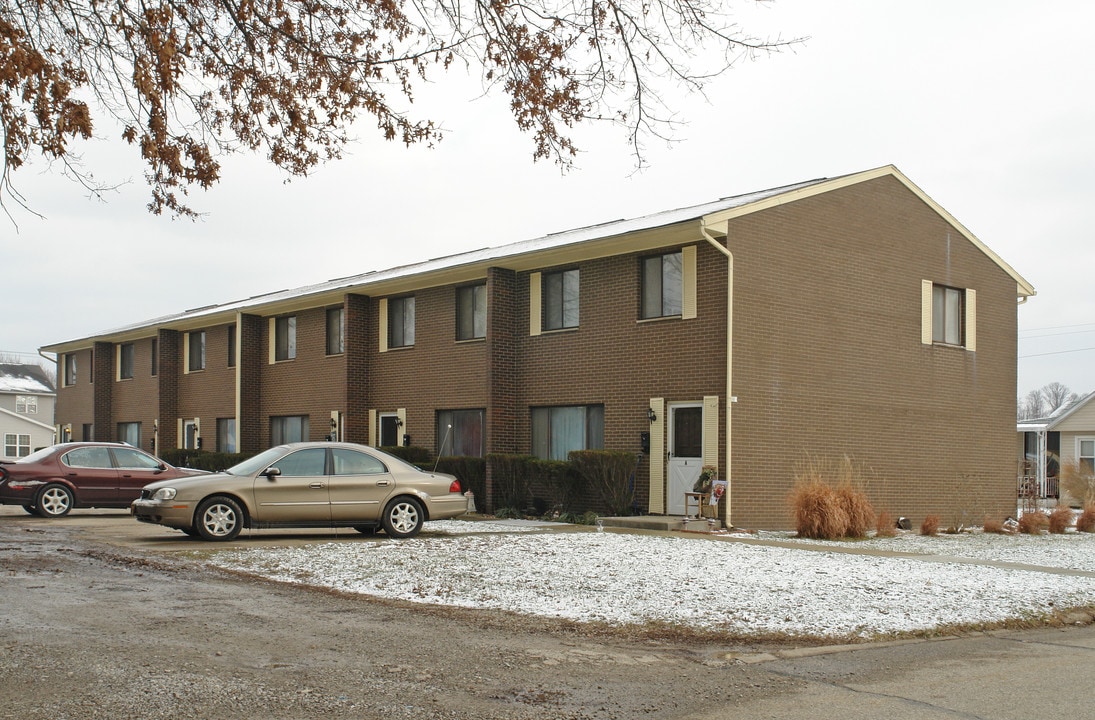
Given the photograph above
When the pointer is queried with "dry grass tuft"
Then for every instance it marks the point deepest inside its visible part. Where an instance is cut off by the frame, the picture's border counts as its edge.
(1060, 519)
(825, 503)
(1086, 521)
(992, 525)
(1033, 523)
(930, 526)
(886, 526)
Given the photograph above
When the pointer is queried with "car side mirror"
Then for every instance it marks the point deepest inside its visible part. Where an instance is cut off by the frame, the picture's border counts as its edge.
(271, 472)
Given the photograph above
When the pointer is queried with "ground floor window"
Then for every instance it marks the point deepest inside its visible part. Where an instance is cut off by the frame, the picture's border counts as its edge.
(16, 445)
(1086, 455)
(130, 433)
(288, 428)
(460, 433)
(226, 435)
(558, 430)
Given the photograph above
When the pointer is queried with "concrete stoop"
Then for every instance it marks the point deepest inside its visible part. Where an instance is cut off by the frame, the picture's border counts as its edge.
(661, 522)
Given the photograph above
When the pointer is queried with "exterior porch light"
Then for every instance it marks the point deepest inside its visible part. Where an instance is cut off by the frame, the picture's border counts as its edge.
(650, 415)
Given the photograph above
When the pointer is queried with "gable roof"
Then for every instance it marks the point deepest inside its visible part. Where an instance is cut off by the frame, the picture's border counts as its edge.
(627, 235)
(22, 378)
(1058, 416)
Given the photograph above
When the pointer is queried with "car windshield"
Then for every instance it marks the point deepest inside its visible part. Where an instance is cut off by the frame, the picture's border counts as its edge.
(261, 461)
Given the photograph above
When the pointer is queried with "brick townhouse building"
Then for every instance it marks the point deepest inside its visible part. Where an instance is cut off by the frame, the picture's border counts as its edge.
(850, 317)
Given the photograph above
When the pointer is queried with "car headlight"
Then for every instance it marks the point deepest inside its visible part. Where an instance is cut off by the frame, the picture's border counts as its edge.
(164, 494)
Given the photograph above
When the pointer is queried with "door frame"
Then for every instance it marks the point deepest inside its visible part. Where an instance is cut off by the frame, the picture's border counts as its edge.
(680, 477)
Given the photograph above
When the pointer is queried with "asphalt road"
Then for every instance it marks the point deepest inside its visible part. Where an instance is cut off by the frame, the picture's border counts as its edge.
(103, 618)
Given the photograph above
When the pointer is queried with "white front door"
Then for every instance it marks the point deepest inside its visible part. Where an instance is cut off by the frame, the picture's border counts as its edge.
(685, 453)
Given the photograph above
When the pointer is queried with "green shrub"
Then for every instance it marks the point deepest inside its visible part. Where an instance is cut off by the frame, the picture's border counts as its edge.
(510, 479)
(471, 471)
(413, 454)
(611, 474)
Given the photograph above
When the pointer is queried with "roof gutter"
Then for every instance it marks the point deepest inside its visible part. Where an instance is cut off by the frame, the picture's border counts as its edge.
(730, 399)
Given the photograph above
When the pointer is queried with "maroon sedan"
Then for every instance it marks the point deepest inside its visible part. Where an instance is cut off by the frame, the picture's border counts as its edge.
(56, 479)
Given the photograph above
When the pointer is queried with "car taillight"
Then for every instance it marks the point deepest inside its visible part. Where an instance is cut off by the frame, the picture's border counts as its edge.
(455, 487)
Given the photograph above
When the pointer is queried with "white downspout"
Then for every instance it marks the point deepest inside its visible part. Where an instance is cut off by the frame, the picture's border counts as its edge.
(730, 399)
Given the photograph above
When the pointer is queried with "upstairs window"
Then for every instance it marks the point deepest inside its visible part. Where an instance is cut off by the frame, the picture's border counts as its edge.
(27, 404)
(471, 312)
(125, 361)
(195, 351)
(560, 299)
(336, 332)
(662, 285)
(948, 316)
(401, 322)
(285, 338)
(70, 369)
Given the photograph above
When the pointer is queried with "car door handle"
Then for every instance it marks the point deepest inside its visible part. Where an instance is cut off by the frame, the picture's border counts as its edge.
(383, 483)
(317, 486)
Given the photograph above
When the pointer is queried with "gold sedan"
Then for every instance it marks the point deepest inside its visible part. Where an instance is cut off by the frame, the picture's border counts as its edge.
(311, 484)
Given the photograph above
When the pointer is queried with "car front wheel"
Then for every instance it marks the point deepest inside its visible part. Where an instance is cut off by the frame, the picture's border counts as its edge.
(54, 501)
(403, 518)
(219, 518)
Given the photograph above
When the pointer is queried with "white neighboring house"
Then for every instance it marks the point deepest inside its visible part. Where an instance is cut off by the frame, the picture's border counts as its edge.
(1066, 436)
(27, 398)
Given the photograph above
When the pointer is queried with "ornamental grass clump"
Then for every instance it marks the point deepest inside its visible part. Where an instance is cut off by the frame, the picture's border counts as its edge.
(826, 504)
(1033, 523)
(1086, 521)
(930, 525)
(886, 526)
(994, 526)
(1060, 520)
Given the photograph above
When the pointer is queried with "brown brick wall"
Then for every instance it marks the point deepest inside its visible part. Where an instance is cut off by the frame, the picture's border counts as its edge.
(75, 403)
(103, 382)
(169, 347)
(312, 384)
(137, 399)
(250, 436)
(210, 393)
(360, 314)
(438, 373)
(828, 360)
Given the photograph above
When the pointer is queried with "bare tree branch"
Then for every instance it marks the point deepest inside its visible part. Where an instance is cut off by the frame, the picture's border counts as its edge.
(193, 80)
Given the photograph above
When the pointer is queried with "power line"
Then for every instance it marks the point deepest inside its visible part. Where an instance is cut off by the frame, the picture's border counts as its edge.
(1059, 327)
(1058, 352)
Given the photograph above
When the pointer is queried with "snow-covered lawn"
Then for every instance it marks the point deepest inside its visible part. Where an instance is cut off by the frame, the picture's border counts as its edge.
(620, 578)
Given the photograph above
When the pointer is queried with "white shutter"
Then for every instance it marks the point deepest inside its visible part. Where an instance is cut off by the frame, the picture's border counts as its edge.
(926, 312)
(688, 282)
(534, 311)
(657, 457)
(711, 430)
(971, 320)
(382, 326)
(273, 338)
(372, 428)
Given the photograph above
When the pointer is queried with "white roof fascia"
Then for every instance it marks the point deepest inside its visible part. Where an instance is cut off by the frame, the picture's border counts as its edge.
(1023, 287)
(24, 418)
(1073, 408)
(587, 242)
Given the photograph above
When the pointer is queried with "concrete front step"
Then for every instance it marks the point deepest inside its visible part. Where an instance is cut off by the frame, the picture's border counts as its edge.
(660, 522)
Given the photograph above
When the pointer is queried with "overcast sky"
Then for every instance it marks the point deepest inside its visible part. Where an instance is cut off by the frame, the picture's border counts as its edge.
(987, 106)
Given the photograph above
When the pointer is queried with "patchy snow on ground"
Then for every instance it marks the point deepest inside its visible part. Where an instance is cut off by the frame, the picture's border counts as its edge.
(780, 585)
